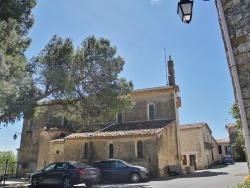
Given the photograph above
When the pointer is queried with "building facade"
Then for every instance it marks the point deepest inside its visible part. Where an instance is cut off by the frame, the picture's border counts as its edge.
(146, 135)
(198, 147)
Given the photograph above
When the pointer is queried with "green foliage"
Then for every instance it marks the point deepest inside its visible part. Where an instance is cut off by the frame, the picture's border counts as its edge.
(19, 10)
(16, 84)
(7, 156)
(242, 185)
(239, 140)
(81, 82)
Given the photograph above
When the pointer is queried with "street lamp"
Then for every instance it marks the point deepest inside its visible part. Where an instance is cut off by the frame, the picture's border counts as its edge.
(184, 10)
(15, 135)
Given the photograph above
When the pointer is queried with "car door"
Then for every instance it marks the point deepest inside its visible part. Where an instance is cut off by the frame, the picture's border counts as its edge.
(58, 172)
(119, 171)
(49, 174)
(105, 169)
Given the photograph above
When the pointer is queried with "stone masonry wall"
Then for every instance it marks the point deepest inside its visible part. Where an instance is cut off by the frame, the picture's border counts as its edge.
(237, 16)
(163, 99)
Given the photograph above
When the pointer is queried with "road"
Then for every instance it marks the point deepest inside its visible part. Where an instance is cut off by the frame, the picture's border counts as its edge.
(220, 176)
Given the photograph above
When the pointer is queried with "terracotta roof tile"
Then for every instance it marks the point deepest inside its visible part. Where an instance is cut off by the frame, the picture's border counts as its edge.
(226, 140)
(126, 129)
(58, 140)
(192, 125)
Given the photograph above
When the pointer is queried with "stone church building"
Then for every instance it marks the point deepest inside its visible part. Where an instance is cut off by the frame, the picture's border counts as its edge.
(146, 136)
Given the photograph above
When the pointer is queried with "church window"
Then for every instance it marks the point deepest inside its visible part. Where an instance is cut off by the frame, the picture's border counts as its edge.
(111, 150)
(64, 121)
(119, 118)
(139, 150)
(86, 150)
(62, 135)
(151, 111)
(31, 125)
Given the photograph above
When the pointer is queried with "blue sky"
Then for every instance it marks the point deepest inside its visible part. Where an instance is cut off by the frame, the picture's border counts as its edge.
(141, 30)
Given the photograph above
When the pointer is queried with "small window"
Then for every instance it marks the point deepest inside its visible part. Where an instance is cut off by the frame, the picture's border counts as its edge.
(57, 151)
(86, 151)
(184, 159)
(111, 150)
(220, 149)
(151, 110)
(139, 150)
(31, 125)
(119, 118)
(64, 121)
(62, 135)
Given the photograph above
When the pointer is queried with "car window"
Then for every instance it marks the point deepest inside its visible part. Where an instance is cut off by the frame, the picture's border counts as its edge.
(116, 164)
(102, 164)
(50, 167)
(61, 166)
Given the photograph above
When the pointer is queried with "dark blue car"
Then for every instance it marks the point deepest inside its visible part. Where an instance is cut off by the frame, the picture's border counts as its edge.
(66, 174)
(225, 159)
(119, 170)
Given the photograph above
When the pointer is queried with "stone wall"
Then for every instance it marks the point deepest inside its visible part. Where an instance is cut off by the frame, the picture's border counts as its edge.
(237, 16)
(194, 145)
(163, 100)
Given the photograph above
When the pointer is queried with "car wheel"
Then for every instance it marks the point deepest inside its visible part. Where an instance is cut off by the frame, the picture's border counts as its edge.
(135, 177)
(34, 182)
(89, 184)
(67, 183)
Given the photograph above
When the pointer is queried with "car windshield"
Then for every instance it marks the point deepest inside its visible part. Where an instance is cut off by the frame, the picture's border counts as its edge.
(226, 156)
(126, 163)
(78, 164)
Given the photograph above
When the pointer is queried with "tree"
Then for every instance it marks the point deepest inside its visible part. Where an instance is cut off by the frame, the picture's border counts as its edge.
(7, 157)
(83, 82)
(16, 82)
(239, 140)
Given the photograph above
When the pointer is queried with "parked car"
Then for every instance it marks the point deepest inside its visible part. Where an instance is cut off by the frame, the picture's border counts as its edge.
(225, 159)
(66, 174)
(119, 170)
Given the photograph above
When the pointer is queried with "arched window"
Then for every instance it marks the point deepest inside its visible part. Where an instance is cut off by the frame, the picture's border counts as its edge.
(139, 150)
(62, 135)
(119, 118)
(151, 111)
(111, 150)
(86, 150)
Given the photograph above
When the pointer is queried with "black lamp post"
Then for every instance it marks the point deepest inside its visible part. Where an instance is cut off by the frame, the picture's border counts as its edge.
(184, 9)
(15, 135)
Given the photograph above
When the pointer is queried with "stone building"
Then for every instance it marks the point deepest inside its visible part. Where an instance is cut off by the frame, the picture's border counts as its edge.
(233, 133)
(146, 135)
(224, 147)
(198, 147)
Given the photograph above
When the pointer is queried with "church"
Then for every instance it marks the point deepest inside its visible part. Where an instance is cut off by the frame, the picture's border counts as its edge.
(147, 135)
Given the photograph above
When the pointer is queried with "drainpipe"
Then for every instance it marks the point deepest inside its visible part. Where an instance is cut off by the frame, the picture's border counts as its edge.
(234, 73)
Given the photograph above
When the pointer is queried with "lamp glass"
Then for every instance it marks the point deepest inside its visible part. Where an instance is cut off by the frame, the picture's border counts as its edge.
(185, 10)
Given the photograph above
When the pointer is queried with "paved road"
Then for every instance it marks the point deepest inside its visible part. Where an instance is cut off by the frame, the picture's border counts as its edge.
(221, 176)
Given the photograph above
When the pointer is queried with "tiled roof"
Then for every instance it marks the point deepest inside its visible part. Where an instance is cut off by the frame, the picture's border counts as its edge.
(195, 125)
(226, 140)
(126, 129)
(191, 126)
(58, 140)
